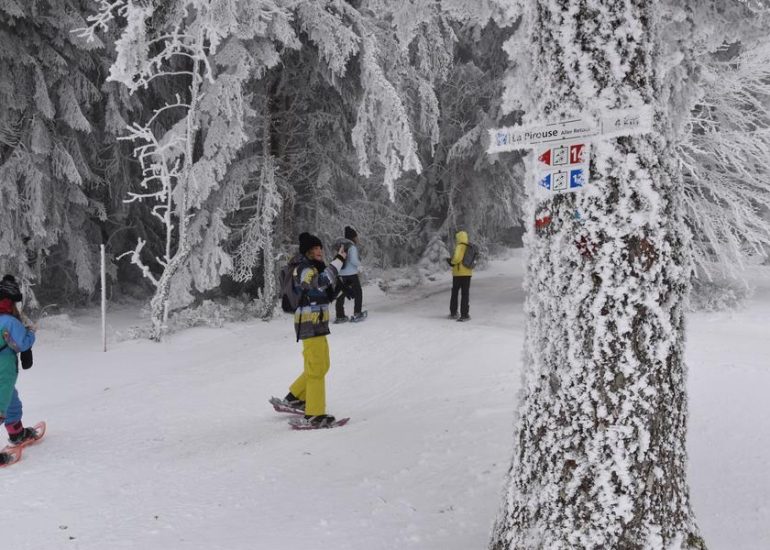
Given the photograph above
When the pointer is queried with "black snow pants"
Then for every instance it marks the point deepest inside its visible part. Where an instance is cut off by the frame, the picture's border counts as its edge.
(460, 284)
(351, 286)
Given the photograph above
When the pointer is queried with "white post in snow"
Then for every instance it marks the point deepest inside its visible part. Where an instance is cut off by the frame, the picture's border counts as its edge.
(104, 301)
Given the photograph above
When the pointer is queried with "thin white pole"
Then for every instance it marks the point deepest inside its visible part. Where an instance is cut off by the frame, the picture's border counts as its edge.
(104, 301)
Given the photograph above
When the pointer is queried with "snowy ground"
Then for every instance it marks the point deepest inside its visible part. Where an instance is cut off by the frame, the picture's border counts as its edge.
(174, 446)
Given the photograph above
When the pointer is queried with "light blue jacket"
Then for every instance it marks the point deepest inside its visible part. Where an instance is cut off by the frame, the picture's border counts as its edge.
(15, 335)
(14, 338)
(352, 263)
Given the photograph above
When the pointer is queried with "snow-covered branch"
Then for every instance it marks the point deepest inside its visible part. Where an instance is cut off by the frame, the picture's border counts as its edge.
(725, 159)
(100, 21)
(136, 259)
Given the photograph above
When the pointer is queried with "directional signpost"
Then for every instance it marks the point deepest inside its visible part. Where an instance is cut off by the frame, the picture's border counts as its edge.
(563, 148)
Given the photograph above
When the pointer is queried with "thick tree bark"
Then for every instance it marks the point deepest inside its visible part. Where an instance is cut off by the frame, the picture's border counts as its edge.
(599, 458)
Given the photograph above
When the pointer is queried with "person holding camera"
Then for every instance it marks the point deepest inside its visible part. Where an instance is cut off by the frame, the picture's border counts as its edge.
(314, 281)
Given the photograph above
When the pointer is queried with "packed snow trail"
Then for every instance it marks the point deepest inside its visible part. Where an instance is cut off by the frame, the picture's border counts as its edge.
(175, 446)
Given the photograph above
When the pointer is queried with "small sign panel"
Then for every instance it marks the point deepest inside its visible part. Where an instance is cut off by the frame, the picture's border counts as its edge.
(578, 153)
(563, 168)
(560, 155)
(626, 122)
(560, 182)
(577, 178)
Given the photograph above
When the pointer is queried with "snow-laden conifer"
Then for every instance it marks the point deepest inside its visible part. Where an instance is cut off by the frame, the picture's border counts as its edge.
(49, 144)
(195, 45)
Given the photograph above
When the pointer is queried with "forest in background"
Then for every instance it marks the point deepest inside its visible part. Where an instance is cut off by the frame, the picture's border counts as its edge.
(197, 138)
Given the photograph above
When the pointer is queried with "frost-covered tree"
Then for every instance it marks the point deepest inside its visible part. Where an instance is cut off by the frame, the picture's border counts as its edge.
(340, 128)
(724, 151)
(726, 162)
(51, 131)
(445, 61)
(481, 197)
(201, 48)
(258, 238)
(600, 456)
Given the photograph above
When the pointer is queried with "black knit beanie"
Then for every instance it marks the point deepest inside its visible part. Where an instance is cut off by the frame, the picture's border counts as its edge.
(9, 288)
(308, 241)
(350, 233)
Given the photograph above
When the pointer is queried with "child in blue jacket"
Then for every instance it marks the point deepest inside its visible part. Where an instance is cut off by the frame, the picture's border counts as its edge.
(14, 338)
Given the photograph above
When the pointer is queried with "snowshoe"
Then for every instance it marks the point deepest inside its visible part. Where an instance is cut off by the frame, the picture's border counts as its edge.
(27, 436)
(452, 316)
(319, 422)
(10, 455)
(340, 320)
(294, 406)
(464, 318)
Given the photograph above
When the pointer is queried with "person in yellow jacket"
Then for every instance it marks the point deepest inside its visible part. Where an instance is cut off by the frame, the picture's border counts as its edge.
(461, 279)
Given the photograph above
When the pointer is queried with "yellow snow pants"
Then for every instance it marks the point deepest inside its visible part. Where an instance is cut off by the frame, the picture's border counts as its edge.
(310, 386)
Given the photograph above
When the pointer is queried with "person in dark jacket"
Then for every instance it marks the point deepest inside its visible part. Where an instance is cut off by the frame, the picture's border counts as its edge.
(350, 283)
(316, 282)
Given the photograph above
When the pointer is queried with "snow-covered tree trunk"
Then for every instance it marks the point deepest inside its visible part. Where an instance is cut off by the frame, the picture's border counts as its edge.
(269, 206)
(599, 458)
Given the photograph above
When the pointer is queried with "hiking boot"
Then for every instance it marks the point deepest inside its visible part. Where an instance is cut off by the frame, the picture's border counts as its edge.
(295, 403)
(452, 316)
(25, 435)
(320, 421)
(464, 318)
(340, 320)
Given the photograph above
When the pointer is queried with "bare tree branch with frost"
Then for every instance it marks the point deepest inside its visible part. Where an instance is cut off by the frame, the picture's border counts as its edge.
(725, 158)
(181, 47)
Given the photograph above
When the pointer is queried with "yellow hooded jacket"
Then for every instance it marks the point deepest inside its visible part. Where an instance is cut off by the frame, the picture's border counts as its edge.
(458, 269)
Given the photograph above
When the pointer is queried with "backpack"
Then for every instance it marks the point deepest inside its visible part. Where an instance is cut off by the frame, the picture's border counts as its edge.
(471, 256)
(290, 295)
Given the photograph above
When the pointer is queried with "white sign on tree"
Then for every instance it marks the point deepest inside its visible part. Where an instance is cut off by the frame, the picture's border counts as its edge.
(526, 137)
(563, 148)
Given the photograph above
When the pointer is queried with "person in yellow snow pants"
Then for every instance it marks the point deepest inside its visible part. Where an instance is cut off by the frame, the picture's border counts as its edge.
(313, 285)
(310, 386)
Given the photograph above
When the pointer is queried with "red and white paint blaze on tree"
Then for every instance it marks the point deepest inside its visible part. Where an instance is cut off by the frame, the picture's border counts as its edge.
(599, 451)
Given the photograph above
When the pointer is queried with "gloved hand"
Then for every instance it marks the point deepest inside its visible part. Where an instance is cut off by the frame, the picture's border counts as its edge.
(26, 359)
(341, 254)
(449, 261)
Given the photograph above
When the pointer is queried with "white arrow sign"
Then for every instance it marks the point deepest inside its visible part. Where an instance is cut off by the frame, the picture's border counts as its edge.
(525, 137)
(620, 122)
